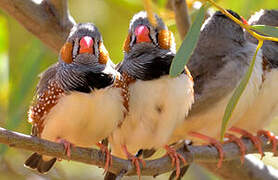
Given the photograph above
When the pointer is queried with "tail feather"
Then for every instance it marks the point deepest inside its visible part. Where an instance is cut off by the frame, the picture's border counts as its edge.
(35, 161)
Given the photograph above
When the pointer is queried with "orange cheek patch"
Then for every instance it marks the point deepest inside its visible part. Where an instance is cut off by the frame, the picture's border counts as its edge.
(66, 53)
(127, 43)
(165, 39)
(103, 54)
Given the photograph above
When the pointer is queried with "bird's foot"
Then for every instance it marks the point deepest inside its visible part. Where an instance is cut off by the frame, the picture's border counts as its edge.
(108, 156)
(238, 141)
(135, 160)
(272, 138)
(175, 158)
(213, 142)
(67, 145)
(255, 139)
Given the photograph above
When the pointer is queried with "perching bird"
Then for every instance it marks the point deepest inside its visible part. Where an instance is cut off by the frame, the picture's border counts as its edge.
(75, 102)
(158, 103)
(218, 64)
(265, 107)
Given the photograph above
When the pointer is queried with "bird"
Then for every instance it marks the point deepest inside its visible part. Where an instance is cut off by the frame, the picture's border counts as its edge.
(76, 102)
(218, 64)
(157, 102)
(265, 107)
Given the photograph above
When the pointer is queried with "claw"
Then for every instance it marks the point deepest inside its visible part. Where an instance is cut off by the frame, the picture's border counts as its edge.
(135, 160)
(108, 156)
(271, 138)
(238, 141)
(67, 146)
(214, 142)
(175, 158)
(255, 139)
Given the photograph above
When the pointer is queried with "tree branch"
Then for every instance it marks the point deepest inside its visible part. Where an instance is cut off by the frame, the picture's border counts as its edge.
(200, 154)
(252, 169)
(181, 16)
(49, 20)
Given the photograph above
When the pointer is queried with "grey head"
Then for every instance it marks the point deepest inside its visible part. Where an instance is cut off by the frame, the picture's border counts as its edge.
(219, 60)
(148, 49)
(270, 48)
(83, 64)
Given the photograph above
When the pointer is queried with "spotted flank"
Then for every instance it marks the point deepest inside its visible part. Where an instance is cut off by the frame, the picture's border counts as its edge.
(123, 83)
(43, 104)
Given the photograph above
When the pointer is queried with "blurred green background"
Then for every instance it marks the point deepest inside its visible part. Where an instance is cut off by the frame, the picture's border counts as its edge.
(23, 57)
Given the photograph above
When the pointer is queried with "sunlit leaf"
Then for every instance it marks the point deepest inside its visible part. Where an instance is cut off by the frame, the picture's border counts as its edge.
(4, 73)
(237, 93)
(266, 30)
(4, 66)
(188, 44)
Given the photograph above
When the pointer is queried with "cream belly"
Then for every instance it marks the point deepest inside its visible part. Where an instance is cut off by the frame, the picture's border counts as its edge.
(265, 108)
(84, 119)
(209, 122)
(156, 108)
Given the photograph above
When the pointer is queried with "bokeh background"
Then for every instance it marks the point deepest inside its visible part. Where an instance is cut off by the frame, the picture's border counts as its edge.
(23, 57)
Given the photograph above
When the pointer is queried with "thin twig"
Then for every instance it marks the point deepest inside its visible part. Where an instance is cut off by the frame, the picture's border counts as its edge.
(181, 16)
(200, 154)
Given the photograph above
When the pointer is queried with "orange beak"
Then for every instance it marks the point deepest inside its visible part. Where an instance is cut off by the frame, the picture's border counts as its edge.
(86, 45)
(142, 34)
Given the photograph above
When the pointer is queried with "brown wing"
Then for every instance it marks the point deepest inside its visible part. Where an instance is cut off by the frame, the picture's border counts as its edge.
(48, 93)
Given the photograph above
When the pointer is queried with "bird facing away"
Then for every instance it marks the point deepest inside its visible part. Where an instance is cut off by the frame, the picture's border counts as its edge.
(75, 103)
(158, 103)
(265, 107)
(218, 64)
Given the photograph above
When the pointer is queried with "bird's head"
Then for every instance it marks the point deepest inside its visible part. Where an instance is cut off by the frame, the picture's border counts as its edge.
(142, 34)
(83, 59)
(149, 49)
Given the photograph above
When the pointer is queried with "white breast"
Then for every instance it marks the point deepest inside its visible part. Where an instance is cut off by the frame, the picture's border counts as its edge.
(156, 108)
(265, 108)
(84, 119)
(209, 122)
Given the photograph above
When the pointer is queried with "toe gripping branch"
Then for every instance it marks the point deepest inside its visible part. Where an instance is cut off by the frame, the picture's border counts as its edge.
(175, 157)
(213, 142)
(272, 138)
(255, 139)
(108, 157)
(135, 160)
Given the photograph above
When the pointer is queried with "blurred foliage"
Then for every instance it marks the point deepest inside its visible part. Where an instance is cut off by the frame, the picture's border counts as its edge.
(23, 57)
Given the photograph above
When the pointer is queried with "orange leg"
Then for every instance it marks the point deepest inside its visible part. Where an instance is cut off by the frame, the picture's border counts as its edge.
(255, 139)
(212, 141)
(67, 146)
(238, 141)
(175, 158)
(271, 138)
(135, 160)
(108, 156)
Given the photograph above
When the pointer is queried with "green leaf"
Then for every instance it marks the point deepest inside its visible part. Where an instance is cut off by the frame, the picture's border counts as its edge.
(266, 30)
(4, 67)
(188, 44)
(4, 73)
(237, 93)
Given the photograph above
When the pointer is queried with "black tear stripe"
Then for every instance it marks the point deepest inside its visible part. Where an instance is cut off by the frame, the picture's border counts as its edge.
(99, 80)
(154, 69)
(93, 81)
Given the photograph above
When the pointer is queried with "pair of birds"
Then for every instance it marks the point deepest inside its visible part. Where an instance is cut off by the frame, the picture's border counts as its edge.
(82, 99)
